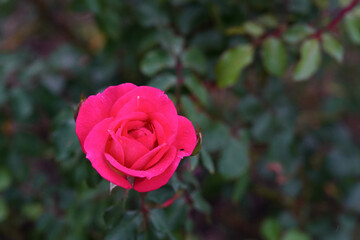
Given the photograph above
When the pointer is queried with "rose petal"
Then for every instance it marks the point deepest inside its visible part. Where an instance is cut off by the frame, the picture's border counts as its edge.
(95, 145)
(133, 150)
(169, 130)
(146, 185)
(115, 148)
(135, 125)
(148, 139)
(160, 135)
(147, 99)
(96, 108)
(123, 169)
(156, 153)
(158, 169)
(186, 138)
(121, 121)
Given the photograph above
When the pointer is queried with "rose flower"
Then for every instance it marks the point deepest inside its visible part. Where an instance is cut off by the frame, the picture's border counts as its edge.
(133, 136)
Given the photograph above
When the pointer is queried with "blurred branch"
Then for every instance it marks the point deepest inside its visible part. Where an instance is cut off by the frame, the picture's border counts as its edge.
(16, 39)
(332, 26)
(49, 16)
(274, 33)
(144, 210)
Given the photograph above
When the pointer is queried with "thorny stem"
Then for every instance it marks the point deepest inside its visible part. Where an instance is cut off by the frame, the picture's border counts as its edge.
(332, 26)
(275, 33)
(170, 201)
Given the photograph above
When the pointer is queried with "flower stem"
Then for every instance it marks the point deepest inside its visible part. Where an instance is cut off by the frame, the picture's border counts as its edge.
(144, 210)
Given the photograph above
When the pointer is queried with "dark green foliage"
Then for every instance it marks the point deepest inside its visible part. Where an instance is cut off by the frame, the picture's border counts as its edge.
(272, 86)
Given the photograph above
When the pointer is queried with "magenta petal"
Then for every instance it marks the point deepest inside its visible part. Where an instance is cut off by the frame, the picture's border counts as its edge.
(147, 99)
(159, 131)
(116, 149)
(133, 150)
(119, 125)
(146, 185)
(186, 137)
(154, 155)
(134, 116)
(158, 169)
(149, 140)
(96, 108)
(169, 130)
(95, 145)
(123, 169)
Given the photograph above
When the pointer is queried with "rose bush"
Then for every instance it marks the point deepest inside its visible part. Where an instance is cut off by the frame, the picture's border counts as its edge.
(133, 136)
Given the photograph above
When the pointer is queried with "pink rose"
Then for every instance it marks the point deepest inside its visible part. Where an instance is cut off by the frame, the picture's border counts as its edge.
(133, 136)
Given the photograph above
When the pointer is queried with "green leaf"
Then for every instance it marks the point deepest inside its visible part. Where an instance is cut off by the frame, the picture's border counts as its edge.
(160, 195)
(189, 18)
(32, 210)
(194, 162)
(352, 25)
(333, 47)
(155, 61)
(94, 6)
(207, 161)
(231, 64)
(21, 103)
(271, 229)
(322, 3)
(170, 41)
(352, 200)
(310, 58)
(297, 33)
(110, 21)
(296, 235)
(344, 3)
(127, 227)
(264, 127)
(5, 179)
(254, 29)
(192, 112)
(268, 20)
(211, 137)
(3, 94)
(189, 225)
(198, 146)
(250, 107)
(274, 56)
(160, 223)
(113, 215)
(175, 183)
(194, 58)
(163, 81)
(197, 88)
(65, 139)
(299, 6)
(240, 187)
(150, 15)
(3, 210)
(200, 203)
(234, 159)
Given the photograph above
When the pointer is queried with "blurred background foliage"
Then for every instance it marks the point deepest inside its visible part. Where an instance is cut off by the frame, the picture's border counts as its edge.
(273, 86)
